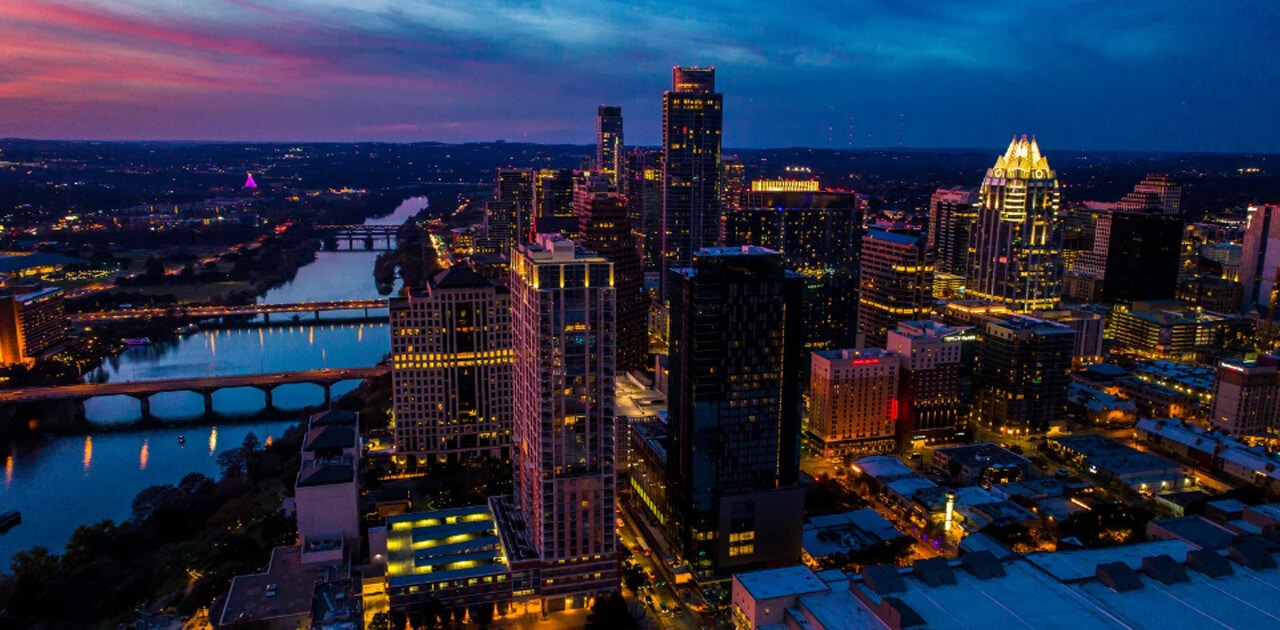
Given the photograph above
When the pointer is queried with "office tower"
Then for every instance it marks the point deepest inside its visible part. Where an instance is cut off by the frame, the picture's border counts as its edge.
(610, 156)
(1246, 397)
(32, 319)
(1260, 264)
(1015, 249)
(451, 374)
(853, 401)
(604, 229)
(928, 381)
(819, 234)
(1136, 247)
(563, 317)
(733, 183)
(952, 210)
(897, 283)
(692, 113)
(1022, 378)
(734, 411)
(500, 227)
(516, 185)
(553, 202)
(643, 190)
(1167, 329)
(1089, 328)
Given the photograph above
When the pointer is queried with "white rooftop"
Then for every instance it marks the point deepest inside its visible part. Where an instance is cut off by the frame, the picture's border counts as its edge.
(785, 582)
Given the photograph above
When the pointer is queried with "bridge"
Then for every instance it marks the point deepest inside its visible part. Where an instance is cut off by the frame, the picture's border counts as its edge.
(209, 312)
(375, 237)
(205, 386)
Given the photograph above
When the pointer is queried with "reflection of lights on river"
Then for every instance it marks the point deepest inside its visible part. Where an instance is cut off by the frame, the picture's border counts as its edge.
(360, 333)
(213, 345)
(88, 452)
(311, 336)
(268, 442)
(262, 342)
(144, 455)
(8, 471)
(213, 440)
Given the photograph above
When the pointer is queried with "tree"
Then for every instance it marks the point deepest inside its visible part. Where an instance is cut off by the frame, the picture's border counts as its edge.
(380, 621)
(154, 269)
(610, 611)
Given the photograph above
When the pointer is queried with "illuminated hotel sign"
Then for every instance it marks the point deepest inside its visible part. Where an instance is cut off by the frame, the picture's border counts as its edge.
(785, 185)
(961, 337)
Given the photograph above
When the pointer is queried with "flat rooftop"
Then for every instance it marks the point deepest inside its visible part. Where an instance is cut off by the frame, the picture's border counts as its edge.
(787, 581)
(294, 589)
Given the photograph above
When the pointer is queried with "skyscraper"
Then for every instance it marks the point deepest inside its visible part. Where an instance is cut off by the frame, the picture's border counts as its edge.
(897, 283)
(516, 186)
(1023, 367)
(609, 152)
(643, 190)
(604, 229)
(1015, 250)
(1260, 264)
(952, 211)
(928, 380)
(734, 452)
(692, 114)
(553, 201)
(819, 234)
(1137, 245)
(451, 375)
(564, 317)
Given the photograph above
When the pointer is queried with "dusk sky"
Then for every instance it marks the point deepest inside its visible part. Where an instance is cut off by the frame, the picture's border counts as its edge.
(1083, 74)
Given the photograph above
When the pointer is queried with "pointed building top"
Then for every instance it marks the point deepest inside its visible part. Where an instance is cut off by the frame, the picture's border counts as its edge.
(248, 182)
(1022, 160)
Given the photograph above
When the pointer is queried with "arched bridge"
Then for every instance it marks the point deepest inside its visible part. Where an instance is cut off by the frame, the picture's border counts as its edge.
(207, 312)
(205, 386)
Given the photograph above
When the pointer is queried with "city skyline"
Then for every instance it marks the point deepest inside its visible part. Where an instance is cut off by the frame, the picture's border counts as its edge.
(1105, 77)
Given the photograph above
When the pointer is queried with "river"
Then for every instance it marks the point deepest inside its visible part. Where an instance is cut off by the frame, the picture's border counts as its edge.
(61, 483)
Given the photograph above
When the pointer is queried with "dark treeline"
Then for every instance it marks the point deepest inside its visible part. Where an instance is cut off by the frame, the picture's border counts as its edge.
(179, 549)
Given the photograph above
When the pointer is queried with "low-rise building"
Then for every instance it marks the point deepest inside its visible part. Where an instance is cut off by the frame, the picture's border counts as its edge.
(1114, 461)
(983, 463)
(845, 533)
(1212, 451)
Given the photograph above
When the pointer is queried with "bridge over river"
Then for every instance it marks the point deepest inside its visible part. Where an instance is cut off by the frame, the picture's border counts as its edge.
(209, 312)
(205, 386)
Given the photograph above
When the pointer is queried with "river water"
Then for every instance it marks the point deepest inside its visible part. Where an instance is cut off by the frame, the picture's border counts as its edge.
(61, 483)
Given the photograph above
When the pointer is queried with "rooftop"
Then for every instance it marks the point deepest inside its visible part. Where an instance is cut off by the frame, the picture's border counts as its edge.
(460, 277)
(787, 581)
(329, 436)
(982, 455)
(294, 588)
(335, 416)
(326, 471)
(893, 237)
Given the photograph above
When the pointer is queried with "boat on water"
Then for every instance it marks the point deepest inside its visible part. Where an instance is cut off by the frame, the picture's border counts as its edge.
(188, 329)
(182, 439)
(9, 519)
(137, 342)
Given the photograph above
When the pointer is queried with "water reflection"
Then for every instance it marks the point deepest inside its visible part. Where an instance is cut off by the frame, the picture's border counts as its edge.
(144, 455)
(8, 471)
(213, 440)
(88, 452)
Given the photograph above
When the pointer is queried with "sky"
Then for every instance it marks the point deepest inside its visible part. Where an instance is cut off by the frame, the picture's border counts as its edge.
(1175, 75)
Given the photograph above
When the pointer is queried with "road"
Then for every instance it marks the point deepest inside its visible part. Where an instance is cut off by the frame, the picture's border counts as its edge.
(658, 589)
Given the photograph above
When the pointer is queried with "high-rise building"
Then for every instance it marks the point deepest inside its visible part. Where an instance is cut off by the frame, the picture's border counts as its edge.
(1089, 329)
(1015, 249)
(692, 114)
(733, 183)
(553, 201)
(451, 368)
(32, 320)
(1023, 367)
(928, 395)
(853, 401)
(952, 211)
(501, 221)
(564, 319)
(734, 411)
(643, 190)
(819, 234)
(604, 229)
(1137, 246)
(610, 156)
(1260, 264)
(516, 185)
(897, 283)
(1246, 397)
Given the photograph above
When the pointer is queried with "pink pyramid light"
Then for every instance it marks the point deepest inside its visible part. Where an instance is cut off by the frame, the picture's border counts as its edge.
(249, 183)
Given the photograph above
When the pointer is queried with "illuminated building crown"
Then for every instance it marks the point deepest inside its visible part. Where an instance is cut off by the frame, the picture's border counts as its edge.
(1022, 160)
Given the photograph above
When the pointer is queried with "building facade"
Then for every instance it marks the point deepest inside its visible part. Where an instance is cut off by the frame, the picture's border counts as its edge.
(603, 228)
(692, 116)
(1015, 249)
(1246, 397)
(564, 323)
(1260, 263)
(1023, 374)
(734, 411)
(32, 320)
(952, 211)
(853, 401)
(610, 155)
(451, 369)
(897, 283)
(929, 356)
(819, 234)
